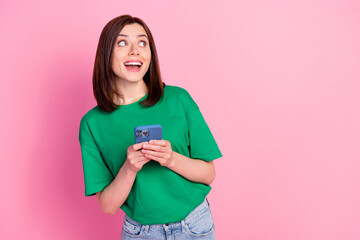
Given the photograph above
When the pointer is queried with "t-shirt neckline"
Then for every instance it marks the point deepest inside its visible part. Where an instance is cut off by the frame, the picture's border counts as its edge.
(134, 103)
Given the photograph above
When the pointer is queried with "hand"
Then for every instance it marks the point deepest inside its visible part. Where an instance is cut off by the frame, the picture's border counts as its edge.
(160, 151)
(135, 159)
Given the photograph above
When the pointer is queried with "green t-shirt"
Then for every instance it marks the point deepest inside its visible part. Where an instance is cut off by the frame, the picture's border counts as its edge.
(158, 195)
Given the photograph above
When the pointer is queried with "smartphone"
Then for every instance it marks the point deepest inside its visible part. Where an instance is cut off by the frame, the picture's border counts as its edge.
(146, 133)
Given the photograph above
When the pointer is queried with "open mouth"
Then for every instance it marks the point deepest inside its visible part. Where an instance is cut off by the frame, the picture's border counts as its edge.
(133, 66)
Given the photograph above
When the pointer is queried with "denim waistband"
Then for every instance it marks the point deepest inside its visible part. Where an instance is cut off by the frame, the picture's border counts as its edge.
(193, 214)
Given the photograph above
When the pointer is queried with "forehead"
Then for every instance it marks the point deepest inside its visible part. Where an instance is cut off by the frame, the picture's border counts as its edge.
(133, 29)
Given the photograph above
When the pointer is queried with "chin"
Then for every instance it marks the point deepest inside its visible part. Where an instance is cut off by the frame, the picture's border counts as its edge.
(134, 80)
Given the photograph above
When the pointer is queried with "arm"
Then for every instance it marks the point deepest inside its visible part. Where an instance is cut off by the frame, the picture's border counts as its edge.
(115, 194)
(195, 170)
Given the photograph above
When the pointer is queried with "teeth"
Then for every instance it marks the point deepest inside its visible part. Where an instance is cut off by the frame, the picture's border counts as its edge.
(133, 63)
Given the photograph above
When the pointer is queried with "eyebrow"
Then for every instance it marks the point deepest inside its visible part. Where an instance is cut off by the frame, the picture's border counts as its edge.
(140, 35)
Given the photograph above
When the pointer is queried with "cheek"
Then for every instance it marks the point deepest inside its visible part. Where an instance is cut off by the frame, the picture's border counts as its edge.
(148, 58)
(116, 68)
(114, 65)
(116, 61)
(147, 54)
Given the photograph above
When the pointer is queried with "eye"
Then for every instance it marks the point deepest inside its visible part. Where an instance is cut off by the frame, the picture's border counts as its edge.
(144, 43)
(119, 43)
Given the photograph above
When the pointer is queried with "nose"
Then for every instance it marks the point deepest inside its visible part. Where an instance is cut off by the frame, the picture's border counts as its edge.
(134, 50)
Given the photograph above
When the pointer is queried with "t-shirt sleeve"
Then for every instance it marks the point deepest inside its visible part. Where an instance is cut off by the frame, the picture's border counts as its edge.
(202, 144)
(97, 175)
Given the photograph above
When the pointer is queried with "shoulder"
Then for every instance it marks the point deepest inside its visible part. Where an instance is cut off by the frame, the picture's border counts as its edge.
(175, 91)
(182, 96)
(92, 115)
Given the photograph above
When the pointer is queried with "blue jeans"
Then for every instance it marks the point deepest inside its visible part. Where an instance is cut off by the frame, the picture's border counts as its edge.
(198, 224)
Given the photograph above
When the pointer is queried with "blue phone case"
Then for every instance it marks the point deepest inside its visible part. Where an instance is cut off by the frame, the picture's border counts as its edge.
(146, 133)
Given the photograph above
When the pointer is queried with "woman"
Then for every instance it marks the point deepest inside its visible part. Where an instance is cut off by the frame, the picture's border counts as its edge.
(161, 185)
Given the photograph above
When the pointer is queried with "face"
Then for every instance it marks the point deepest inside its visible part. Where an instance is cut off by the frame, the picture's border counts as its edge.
(131, 45)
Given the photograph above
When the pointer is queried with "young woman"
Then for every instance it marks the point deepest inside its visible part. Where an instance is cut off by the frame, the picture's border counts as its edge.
(161, 185)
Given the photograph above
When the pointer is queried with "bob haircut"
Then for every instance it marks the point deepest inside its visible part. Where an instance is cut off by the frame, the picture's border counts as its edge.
(104, 82)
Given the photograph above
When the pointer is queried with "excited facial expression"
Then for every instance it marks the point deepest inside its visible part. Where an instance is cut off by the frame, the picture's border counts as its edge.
(131, 54)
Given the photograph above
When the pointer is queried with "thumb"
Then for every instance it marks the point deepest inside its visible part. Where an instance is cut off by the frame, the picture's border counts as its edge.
(138, 146)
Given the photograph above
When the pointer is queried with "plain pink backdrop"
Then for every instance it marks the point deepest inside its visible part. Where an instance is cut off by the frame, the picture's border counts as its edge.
(278, 83)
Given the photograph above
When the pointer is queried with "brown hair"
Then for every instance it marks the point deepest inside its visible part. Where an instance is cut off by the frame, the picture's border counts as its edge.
(104, 83)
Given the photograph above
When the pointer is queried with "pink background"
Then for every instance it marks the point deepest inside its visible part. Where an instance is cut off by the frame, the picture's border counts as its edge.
(277, 81)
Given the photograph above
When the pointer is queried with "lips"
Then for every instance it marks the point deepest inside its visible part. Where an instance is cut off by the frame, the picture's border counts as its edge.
(133, 67)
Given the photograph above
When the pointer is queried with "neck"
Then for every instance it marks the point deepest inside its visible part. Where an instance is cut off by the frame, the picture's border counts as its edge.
(130, 92)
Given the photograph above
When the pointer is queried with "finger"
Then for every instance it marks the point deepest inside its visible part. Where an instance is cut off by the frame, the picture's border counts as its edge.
(139, 154)
(138, 146)
(155, 158)
(149, 153)
(158, 142)
(152, 147)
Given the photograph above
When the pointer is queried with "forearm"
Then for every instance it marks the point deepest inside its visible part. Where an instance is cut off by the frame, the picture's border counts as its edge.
(195, 170)
(115, 194)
